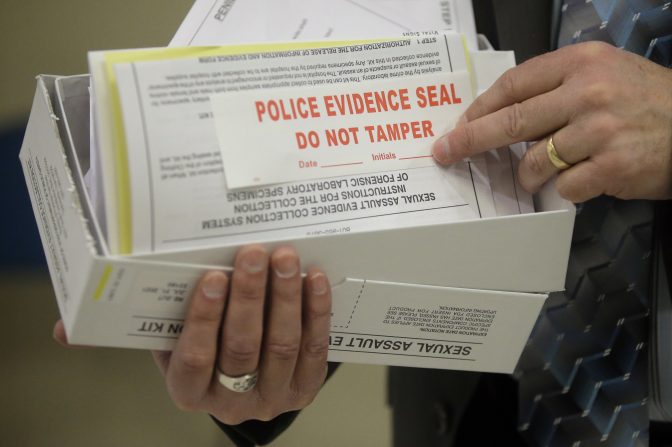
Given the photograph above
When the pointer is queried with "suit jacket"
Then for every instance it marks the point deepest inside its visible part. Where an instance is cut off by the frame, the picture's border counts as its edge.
(441, 408)
(524, 26)
(529, 36)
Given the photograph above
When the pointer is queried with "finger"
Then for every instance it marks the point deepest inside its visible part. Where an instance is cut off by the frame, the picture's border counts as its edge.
(532, 78)
(536, 167)
(311, 368)
(282, 338)
(581, 182)
(162, 360)
(192, 363)
(573, 143)
(243, 324)
(61, 337)
(523, 121)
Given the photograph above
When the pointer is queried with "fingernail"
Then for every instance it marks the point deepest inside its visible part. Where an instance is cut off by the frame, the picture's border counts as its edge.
(319, 284)
(286, 266)
(254, 261)
(441, 150)
(214, 285)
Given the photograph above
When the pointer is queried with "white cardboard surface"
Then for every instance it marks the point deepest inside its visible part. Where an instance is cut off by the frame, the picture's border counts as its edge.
(390, 288)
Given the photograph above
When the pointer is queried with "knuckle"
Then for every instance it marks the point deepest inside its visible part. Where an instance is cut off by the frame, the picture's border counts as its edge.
(580, 188)
(586, 54)
(535, 161)
(183, 402)
(203, 318)
(477, 107)
(591, 187)
(613, 166)
(515, 122)
(288, 293)
(241, 349)
(611, 170)
(566, 191)
(617, 189)
(528, 186)
(194, 360)
(303, 395)
(250, 291)
(462, 143)
(283, 350)
(267, 414)
(296, 395)
(302, 400)
(187, 406)
(508, 85)
(604, 126)
(232, 418)
(593, 50)
(317, 348)
(620, 175)
(526, 182)
(318, 311)
(596, 94)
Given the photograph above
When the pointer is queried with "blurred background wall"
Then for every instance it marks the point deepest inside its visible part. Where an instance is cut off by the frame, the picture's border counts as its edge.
(51, 396)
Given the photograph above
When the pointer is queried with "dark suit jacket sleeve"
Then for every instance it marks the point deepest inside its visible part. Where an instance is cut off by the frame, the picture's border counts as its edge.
(520, 25)
(251, 433)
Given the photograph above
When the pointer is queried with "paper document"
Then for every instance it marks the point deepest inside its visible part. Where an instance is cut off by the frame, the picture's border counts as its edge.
(177, 192)
(293, 134)
(218, 22)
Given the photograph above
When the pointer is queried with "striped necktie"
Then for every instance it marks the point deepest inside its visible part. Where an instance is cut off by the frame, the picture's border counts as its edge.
(583, 376)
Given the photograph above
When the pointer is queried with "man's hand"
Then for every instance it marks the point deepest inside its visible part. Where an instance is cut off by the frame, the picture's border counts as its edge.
(268, 320)
(609, 113)
(265, 318)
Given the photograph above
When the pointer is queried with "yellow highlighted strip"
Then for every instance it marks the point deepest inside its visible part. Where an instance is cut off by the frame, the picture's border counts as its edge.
(470, 68)
(103, 282)
(123, 185)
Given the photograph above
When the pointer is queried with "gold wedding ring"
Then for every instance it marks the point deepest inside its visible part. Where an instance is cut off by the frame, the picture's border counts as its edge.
(554, 157)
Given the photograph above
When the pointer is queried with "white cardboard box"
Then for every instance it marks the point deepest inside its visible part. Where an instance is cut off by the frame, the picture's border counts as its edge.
(457, 296)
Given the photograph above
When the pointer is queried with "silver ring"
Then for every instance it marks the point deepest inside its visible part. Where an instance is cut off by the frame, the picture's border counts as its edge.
(240, 384)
